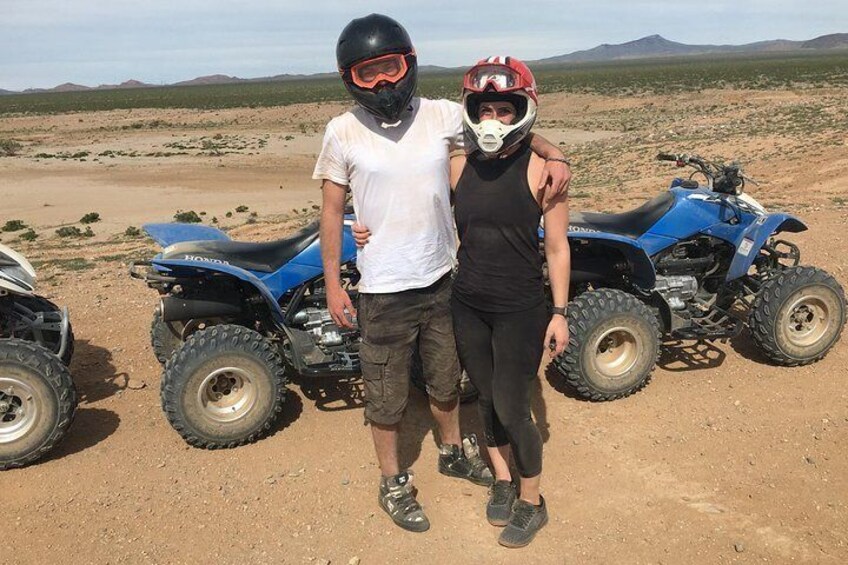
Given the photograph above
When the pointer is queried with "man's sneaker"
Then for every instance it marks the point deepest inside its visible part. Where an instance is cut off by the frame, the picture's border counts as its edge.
(501, 498)
(397, 498)
(525, 522)
(465, 462)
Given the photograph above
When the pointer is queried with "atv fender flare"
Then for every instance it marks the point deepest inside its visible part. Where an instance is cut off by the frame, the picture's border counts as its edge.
(180, 268)
(751, 240)
(640, 267)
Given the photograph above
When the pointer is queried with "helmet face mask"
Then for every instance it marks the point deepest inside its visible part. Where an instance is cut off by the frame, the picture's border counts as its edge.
(498, 79)
(378, 65)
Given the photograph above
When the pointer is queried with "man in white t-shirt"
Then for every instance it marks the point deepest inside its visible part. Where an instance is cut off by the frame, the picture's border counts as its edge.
(392, 153)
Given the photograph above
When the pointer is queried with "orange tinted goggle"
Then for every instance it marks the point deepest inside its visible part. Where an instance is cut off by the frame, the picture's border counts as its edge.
(390, 68)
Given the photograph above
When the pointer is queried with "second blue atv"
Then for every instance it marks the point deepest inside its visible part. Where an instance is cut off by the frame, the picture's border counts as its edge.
(700, 261)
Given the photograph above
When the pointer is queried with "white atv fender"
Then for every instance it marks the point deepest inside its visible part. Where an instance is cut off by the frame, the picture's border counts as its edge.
(16, 273)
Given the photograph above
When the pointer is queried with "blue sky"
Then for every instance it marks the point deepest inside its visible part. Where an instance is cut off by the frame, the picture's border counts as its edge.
(44, 43)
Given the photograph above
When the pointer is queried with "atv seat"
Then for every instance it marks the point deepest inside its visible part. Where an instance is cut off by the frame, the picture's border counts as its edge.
(628, 224)
(260, 257)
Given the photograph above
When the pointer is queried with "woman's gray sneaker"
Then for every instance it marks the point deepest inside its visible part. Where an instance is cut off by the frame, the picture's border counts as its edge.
(465, 462)
(501, 498)
(397, 498)
(525, 522)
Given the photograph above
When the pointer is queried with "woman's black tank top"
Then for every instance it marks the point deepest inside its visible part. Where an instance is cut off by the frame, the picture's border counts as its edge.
(500, 269)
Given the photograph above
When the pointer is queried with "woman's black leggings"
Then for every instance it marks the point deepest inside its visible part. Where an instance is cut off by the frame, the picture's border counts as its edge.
(501, 352)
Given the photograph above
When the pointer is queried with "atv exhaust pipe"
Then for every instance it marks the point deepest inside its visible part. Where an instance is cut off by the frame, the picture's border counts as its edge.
(175, 309)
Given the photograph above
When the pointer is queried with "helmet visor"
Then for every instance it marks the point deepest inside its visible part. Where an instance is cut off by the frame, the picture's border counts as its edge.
(389, 68)
(501, 78)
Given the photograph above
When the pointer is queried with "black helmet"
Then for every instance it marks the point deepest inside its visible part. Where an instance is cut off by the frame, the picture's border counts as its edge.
(368, 38)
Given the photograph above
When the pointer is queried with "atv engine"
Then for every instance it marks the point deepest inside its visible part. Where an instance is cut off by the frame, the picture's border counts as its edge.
(320, 325)
(677, 290)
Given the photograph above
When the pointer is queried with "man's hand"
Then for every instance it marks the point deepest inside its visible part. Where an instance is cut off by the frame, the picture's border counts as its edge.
(340, 306)
(556, 338)
(556, 175)
(361, 234)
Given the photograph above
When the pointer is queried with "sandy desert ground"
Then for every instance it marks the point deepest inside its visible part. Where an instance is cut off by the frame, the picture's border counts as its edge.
(723, 458)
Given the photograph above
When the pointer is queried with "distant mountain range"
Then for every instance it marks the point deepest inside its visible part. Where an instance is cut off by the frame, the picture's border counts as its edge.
(652, 46)
(658, 46)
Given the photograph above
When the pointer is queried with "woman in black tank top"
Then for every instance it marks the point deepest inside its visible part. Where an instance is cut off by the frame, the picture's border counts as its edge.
(501, 320)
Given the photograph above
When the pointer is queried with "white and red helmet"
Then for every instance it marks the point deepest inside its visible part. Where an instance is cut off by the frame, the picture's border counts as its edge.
(498, 79)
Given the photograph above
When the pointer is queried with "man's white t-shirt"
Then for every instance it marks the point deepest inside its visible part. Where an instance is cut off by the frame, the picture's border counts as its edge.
(400, 180)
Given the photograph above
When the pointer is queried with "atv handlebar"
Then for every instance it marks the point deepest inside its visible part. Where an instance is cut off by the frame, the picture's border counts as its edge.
(726, 179)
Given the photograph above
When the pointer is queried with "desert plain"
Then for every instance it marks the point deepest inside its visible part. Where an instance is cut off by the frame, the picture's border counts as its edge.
(722, 458)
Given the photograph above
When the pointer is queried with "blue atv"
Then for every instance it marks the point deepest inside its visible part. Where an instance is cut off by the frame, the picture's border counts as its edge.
(230, 313)
(698, 262)
(235, 317)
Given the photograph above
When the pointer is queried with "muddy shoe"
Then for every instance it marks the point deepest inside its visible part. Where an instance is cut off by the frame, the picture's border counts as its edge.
(501, 498)
(465, 462)
(397, 498)
(524, 524)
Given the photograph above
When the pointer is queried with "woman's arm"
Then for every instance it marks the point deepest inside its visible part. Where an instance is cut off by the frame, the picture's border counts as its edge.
(558, 256)
(457, 164)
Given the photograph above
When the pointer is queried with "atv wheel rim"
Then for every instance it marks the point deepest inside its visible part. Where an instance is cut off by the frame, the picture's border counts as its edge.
(807, 320)
(19, 409)
(227, 394)
(616, 352)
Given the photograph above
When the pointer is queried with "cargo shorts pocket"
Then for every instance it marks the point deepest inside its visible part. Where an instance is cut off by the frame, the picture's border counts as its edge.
(374, 360)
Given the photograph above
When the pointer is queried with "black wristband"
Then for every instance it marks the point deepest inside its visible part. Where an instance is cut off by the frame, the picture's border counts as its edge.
(558, 310)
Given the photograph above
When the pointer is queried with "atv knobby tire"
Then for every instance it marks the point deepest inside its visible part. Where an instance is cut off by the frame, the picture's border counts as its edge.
(613, 345)
(165, 337)
(224, 387)
(37, 402)
(467, 391)
(41, 304)
(797, 316)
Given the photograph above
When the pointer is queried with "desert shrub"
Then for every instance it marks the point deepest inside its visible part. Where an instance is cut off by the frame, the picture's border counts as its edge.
(90, 218)
(9, 147)
(69, 231)
(13, 225)
(242, 208)
(189, 217)
(28, 235)
(132, 231)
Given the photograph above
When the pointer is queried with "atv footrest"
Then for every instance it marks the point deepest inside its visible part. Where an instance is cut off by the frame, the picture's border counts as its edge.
(725, 326)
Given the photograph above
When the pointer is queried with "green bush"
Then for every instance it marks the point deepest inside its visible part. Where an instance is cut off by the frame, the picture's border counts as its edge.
(242, 208)
(189, 217)
(90, 218)
(14, 225)
(69, 231)
(132, 231)
(28, 235)
(9, 147)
